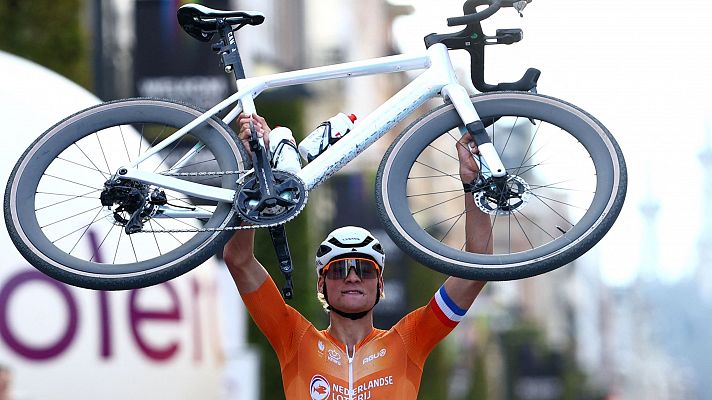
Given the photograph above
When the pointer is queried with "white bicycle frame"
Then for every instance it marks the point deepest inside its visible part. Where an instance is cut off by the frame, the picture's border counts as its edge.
(438, 78)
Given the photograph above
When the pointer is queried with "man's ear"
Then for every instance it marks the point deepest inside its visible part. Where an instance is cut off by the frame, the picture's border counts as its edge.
(320, 284)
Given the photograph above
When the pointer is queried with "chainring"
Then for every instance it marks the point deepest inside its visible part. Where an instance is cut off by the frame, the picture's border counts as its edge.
(289, 200)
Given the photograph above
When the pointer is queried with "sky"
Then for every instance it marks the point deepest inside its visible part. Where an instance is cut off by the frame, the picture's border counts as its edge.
(642, 68)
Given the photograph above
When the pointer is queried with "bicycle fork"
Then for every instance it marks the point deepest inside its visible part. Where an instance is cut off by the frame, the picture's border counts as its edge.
(473, 124)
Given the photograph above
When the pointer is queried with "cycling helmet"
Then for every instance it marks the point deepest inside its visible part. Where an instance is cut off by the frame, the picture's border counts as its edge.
(349, 241)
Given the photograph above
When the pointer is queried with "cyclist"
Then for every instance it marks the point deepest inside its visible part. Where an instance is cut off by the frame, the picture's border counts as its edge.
(351, 359)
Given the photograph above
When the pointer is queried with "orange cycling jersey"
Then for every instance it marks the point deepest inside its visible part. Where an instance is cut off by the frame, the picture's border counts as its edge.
(386, 365)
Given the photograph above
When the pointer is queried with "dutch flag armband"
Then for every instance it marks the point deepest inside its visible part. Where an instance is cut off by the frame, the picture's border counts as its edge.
(445, 309)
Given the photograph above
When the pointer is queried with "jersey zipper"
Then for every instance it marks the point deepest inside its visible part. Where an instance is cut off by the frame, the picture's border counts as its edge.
(351, 372)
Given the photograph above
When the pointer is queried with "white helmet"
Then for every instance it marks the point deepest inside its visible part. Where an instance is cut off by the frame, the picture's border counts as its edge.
(349, 240)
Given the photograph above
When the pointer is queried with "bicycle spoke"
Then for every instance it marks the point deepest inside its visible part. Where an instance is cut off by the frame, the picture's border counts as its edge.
(70, 181)
(509, 136)
(561, 202)
(100, 244)
(98, 139)
(537, 225)
(434, 193)
(85, 231)
(456, 176)
(74, 231)
(435, 205)
(71, 216)
(435, 169)
(73, 197)
(91, 161)
(554, 211)
(126, 148)
(446, 154)
(531, 142)
(531, 245)
(103, 173)
(453, 225)
(170, 233)
(175, 145)
(133, 248)
(140, 141)
(444, 220)
(118, 243)
(155, 238)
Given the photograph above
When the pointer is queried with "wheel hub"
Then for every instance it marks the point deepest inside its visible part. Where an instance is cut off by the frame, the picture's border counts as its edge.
(503, 197)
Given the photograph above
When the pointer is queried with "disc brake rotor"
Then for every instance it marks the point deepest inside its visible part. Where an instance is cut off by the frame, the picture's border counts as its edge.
(511, 197)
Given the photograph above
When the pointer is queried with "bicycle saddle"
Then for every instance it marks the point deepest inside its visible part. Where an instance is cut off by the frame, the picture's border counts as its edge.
(200, 22)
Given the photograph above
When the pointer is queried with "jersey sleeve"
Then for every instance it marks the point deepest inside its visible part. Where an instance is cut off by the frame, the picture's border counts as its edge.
(425, 327)
(281, 324)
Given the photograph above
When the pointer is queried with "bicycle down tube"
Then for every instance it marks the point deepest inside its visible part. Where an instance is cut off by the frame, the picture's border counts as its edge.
(439, 76)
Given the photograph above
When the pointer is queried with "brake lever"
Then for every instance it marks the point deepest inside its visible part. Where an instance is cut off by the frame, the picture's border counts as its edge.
(520, 5)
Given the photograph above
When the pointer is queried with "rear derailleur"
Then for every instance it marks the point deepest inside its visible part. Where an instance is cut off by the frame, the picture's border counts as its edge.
(136, 202)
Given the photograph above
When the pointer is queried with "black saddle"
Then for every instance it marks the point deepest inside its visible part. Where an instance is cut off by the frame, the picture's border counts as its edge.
(201, 22)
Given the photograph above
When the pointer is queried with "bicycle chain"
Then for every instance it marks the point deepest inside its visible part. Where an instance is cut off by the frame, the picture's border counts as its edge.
(227, 228)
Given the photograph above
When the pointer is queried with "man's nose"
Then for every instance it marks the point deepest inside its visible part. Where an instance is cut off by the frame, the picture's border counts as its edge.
(352, 276)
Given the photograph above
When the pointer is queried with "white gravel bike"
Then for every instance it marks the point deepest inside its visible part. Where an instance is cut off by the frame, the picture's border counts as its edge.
(134, 192)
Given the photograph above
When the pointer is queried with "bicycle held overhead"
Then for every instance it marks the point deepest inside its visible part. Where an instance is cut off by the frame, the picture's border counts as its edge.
(156, 186)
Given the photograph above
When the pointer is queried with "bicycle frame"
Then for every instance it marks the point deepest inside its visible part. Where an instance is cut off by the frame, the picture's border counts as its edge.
(438, 77)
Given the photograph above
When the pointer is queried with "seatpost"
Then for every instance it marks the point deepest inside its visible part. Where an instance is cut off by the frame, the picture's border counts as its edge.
(231, 60)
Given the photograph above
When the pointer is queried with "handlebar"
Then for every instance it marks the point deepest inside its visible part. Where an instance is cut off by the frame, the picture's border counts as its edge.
(472, 16)
(473, 40)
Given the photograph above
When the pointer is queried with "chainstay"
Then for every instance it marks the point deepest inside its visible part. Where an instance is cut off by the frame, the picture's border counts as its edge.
(227, 228)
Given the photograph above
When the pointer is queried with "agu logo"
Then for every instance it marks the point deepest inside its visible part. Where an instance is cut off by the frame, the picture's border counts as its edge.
(319, 388)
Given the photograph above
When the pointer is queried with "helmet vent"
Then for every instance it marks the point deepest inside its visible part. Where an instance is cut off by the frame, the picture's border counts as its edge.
(323, 249)
(378, 248)
(337, 243)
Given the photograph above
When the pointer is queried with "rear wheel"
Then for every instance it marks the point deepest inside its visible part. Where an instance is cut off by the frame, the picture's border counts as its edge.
(55, 215)
(566, 186)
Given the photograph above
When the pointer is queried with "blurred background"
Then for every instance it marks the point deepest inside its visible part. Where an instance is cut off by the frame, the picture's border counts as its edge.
(629, 320)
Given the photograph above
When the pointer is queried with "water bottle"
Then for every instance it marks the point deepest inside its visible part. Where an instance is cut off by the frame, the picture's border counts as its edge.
(283, 150)
(328, 133)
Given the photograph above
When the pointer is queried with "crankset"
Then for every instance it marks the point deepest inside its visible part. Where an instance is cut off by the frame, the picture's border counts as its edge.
(281, 204)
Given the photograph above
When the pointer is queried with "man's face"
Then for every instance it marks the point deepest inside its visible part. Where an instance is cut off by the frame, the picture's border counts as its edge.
(351, 294)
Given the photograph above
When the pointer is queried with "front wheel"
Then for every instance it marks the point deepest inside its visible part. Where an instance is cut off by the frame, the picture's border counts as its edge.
(63, 219)
(566, 185)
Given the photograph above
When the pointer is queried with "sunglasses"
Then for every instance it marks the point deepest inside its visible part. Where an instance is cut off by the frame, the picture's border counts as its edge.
(339, 269)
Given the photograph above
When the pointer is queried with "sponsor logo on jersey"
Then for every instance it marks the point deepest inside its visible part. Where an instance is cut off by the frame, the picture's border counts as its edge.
(334, 357)
(320, 345)
(319, 388)
(374, 356)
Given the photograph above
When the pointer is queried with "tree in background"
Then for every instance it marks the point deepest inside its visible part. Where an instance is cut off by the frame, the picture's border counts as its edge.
(49, 33)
